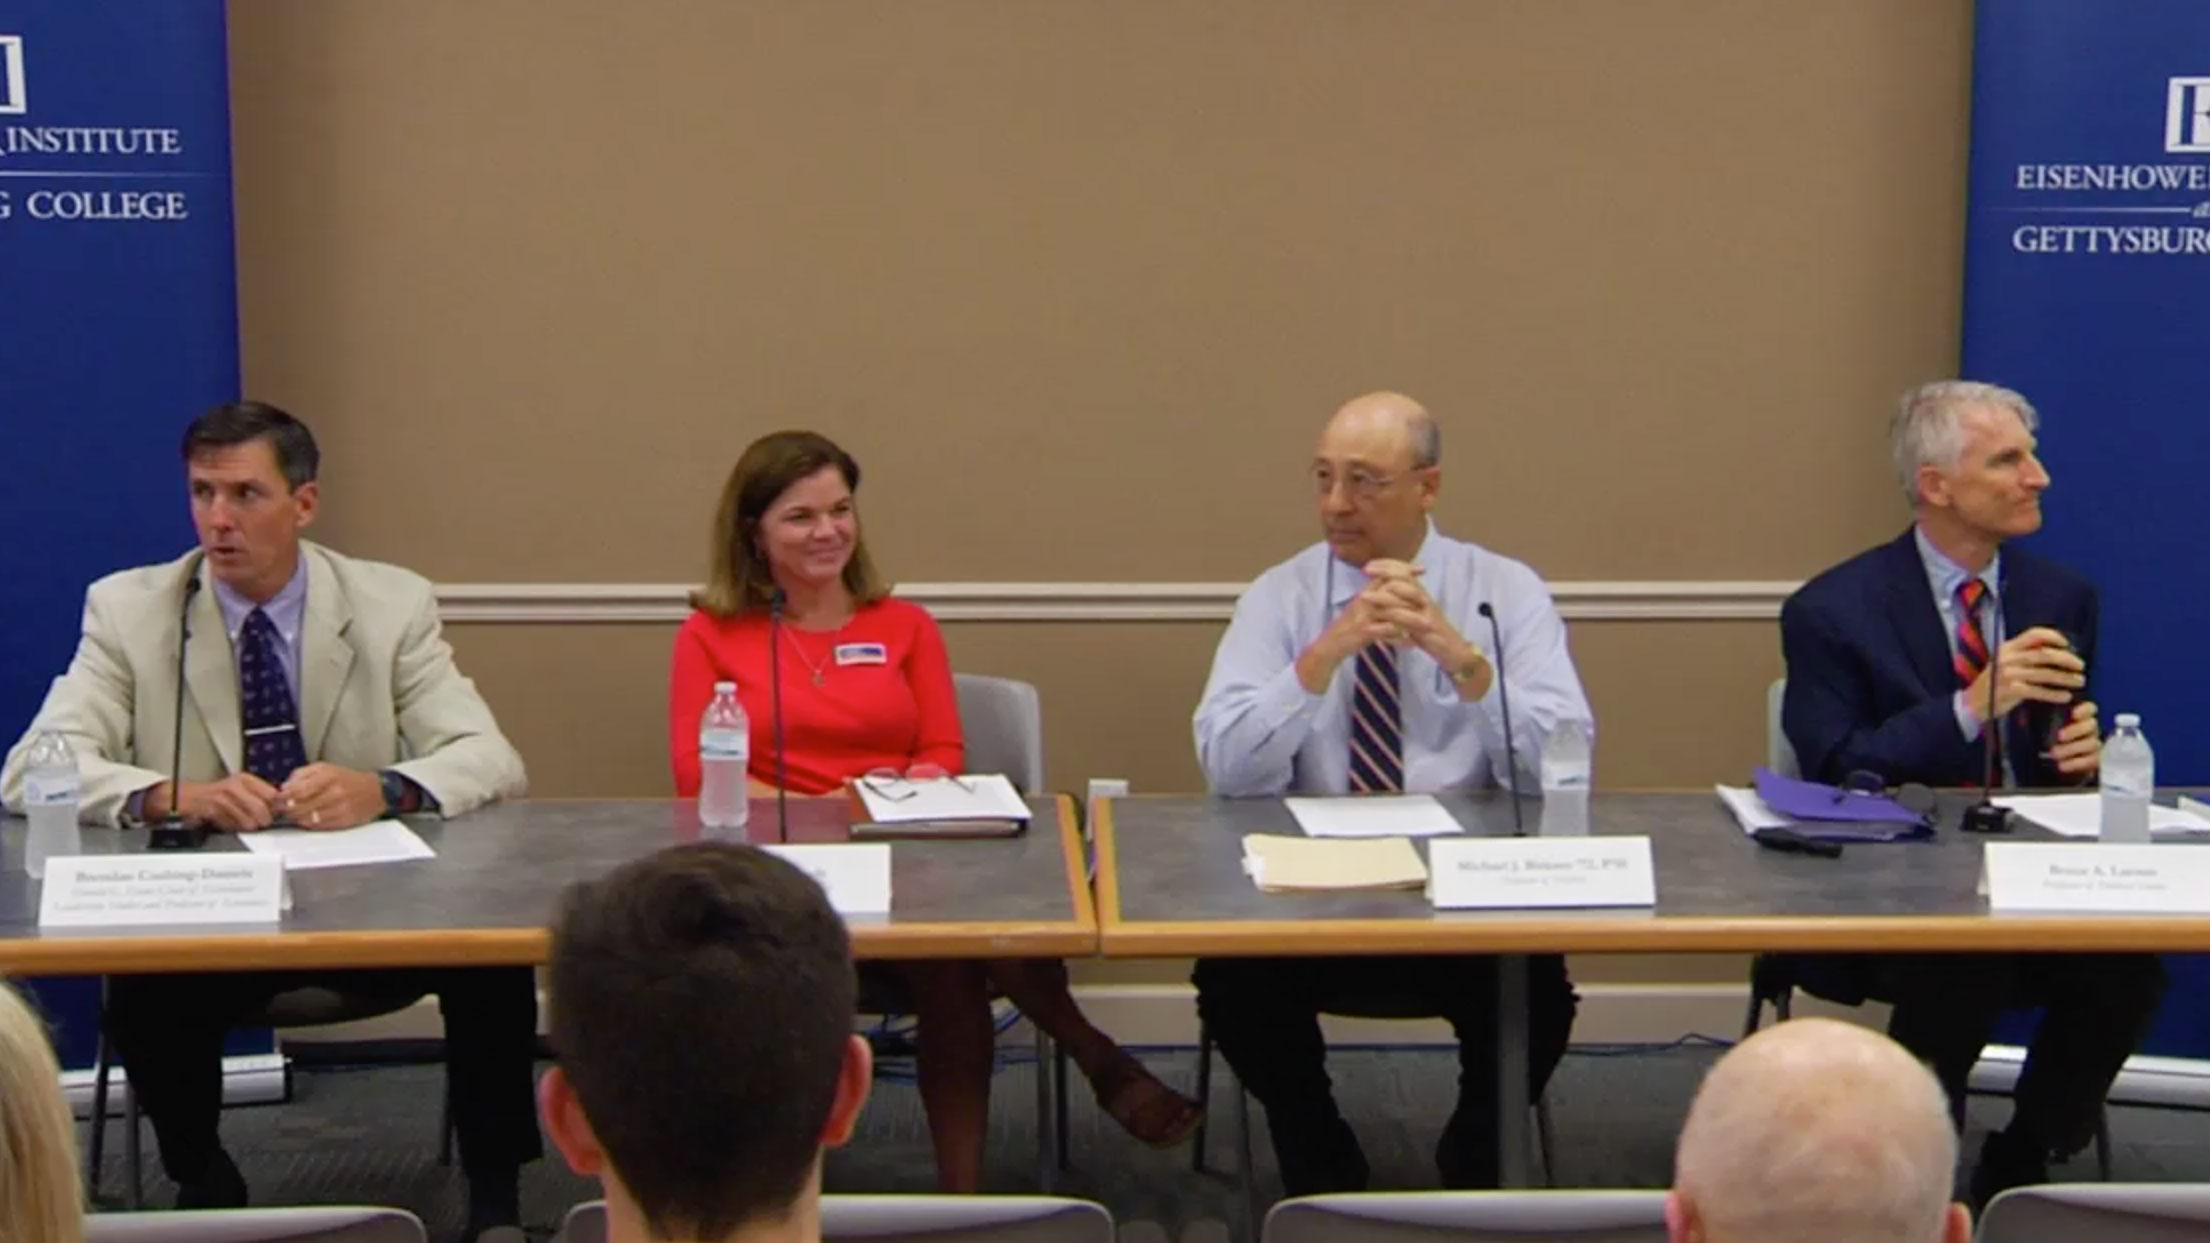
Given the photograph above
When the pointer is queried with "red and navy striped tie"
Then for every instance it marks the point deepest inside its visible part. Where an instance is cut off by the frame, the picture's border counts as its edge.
(1377, 724)
(1971, 655)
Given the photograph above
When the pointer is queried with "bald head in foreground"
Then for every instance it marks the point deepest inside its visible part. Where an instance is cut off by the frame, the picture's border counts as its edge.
(1818, 1131)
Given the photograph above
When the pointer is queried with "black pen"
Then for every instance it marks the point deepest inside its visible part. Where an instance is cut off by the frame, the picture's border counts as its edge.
(1788, 841)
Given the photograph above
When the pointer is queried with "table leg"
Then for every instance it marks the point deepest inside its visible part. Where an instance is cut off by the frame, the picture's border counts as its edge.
(1511, 1069)
(1045, 1165)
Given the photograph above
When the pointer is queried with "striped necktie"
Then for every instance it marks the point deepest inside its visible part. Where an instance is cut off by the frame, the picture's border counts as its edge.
(1377, 724)
(1971, 655)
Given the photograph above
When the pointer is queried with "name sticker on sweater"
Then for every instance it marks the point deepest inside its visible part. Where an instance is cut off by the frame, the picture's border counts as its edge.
(862, 654)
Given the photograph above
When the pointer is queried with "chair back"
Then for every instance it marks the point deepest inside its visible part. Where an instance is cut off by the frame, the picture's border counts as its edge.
(922, 1219)
(1471, 1217)
(258, 1225)
(1003, 721)
(1780, 755)
(2103, 1212)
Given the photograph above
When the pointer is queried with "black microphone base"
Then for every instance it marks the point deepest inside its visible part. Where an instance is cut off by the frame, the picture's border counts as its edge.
(177, 837)
(1986, 818)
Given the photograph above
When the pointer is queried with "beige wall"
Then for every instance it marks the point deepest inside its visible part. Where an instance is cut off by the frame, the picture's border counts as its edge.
(1077, 279)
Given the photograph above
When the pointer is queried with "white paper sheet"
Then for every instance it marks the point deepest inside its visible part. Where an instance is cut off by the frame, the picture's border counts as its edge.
(379, 841)
(2081, 815)
(1390, 815)
(1750, 810)
(975, 796)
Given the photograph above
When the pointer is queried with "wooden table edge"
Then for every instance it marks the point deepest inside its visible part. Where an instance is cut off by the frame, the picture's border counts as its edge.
(1108, 872)
(1518, 933)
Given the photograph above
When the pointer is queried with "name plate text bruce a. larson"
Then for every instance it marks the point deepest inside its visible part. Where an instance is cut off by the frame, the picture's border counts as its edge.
(856, 877)
(2173, 878)
(123, 891)
(1518, 872)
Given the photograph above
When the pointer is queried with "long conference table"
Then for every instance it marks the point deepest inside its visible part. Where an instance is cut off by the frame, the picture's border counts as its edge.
(1168, 882)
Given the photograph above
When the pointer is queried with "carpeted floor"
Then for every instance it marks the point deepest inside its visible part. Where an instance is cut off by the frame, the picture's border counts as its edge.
(369, 1135)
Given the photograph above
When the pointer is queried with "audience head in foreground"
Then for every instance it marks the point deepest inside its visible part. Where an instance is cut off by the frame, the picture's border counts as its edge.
(702, 1004)
(39, 1191)
(1817, 1131)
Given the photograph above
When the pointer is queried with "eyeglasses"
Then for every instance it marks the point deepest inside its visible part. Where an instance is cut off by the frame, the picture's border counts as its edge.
(1357, 481)
(1911, 795)
(898, 787)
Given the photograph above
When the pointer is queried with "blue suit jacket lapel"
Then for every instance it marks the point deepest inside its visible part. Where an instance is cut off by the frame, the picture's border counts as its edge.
(1917, 621)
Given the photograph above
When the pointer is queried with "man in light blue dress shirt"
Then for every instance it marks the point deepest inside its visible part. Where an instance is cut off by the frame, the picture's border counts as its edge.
(1361, 665)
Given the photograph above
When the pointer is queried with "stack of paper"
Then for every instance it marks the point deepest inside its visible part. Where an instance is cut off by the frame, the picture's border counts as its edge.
(1388, 815)
(1305, 864)
(2081, 815)
(972, 797)
(380, 841)
(1751, 811)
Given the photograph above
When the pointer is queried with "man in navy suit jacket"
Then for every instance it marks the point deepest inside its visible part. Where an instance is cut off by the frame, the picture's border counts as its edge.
(1890, 672)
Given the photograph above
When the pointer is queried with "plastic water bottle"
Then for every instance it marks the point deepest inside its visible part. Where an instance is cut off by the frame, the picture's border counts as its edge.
(724, 752)
(51, 790)
(2129, 782)
(1566, 760)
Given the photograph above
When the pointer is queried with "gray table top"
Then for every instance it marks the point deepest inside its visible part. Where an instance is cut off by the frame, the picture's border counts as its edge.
(1170, 882)
(500, 872)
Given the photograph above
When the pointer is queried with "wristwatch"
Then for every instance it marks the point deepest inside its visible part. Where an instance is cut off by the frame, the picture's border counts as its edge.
(1470, 670)
(396, 789)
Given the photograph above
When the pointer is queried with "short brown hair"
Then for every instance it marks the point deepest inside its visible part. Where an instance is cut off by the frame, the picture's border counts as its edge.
(737, 576)
(702, 1002)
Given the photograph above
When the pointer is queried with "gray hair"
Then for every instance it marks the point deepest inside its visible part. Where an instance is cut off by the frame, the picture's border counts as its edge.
(1816, 1130)
(1928, 427)
(1427, 440)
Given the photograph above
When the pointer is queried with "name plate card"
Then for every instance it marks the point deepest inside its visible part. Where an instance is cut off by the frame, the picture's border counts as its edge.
(124, 891)
(856, 877)
(2060, 876)
(1519, 872)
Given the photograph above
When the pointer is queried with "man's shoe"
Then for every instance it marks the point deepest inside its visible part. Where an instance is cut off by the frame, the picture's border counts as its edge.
(220, 1185)
(1466, 1155)
(2007, 1161)
(1321, 1157)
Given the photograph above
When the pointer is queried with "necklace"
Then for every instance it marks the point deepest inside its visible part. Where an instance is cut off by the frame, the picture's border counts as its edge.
(820, 671)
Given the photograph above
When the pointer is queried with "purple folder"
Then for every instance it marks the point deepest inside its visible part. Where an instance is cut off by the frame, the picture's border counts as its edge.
(1832, 811)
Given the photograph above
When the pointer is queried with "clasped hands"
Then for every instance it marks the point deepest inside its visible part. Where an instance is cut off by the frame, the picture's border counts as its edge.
(1394, 608)
(316, 796)
(2039, 666)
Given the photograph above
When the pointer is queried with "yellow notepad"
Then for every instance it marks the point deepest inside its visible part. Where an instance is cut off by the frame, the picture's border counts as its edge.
(1305, 864)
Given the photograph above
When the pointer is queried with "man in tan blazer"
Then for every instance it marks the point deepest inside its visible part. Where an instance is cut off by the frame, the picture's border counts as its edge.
(318, 692)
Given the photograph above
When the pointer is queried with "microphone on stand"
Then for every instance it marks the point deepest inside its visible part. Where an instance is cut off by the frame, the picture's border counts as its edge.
(1984, 816)
(1504, 696)
(775, 701)
(173, 833)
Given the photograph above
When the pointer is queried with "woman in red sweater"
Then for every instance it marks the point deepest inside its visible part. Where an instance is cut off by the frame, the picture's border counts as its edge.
(867, 686)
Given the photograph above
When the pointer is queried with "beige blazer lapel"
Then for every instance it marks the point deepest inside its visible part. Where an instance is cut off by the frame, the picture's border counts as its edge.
(324, 656)
(211, 671)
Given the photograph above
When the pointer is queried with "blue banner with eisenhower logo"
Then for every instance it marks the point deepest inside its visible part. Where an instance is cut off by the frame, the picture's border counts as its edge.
(2087, 288)
(118, 314)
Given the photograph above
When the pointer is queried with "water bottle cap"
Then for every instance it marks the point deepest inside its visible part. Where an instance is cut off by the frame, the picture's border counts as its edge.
(725, 688)
(2129, 720)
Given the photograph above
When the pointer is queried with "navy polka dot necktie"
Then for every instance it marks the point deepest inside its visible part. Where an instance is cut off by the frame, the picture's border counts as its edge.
(273, 744)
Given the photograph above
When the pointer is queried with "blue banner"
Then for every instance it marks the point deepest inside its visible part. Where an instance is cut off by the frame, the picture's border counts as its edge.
(2087, 288)
(118, 312)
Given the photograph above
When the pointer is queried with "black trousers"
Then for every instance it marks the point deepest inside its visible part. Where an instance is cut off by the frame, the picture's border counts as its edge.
(2097, 1007)
(168, 1032)
(1263, 1015)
